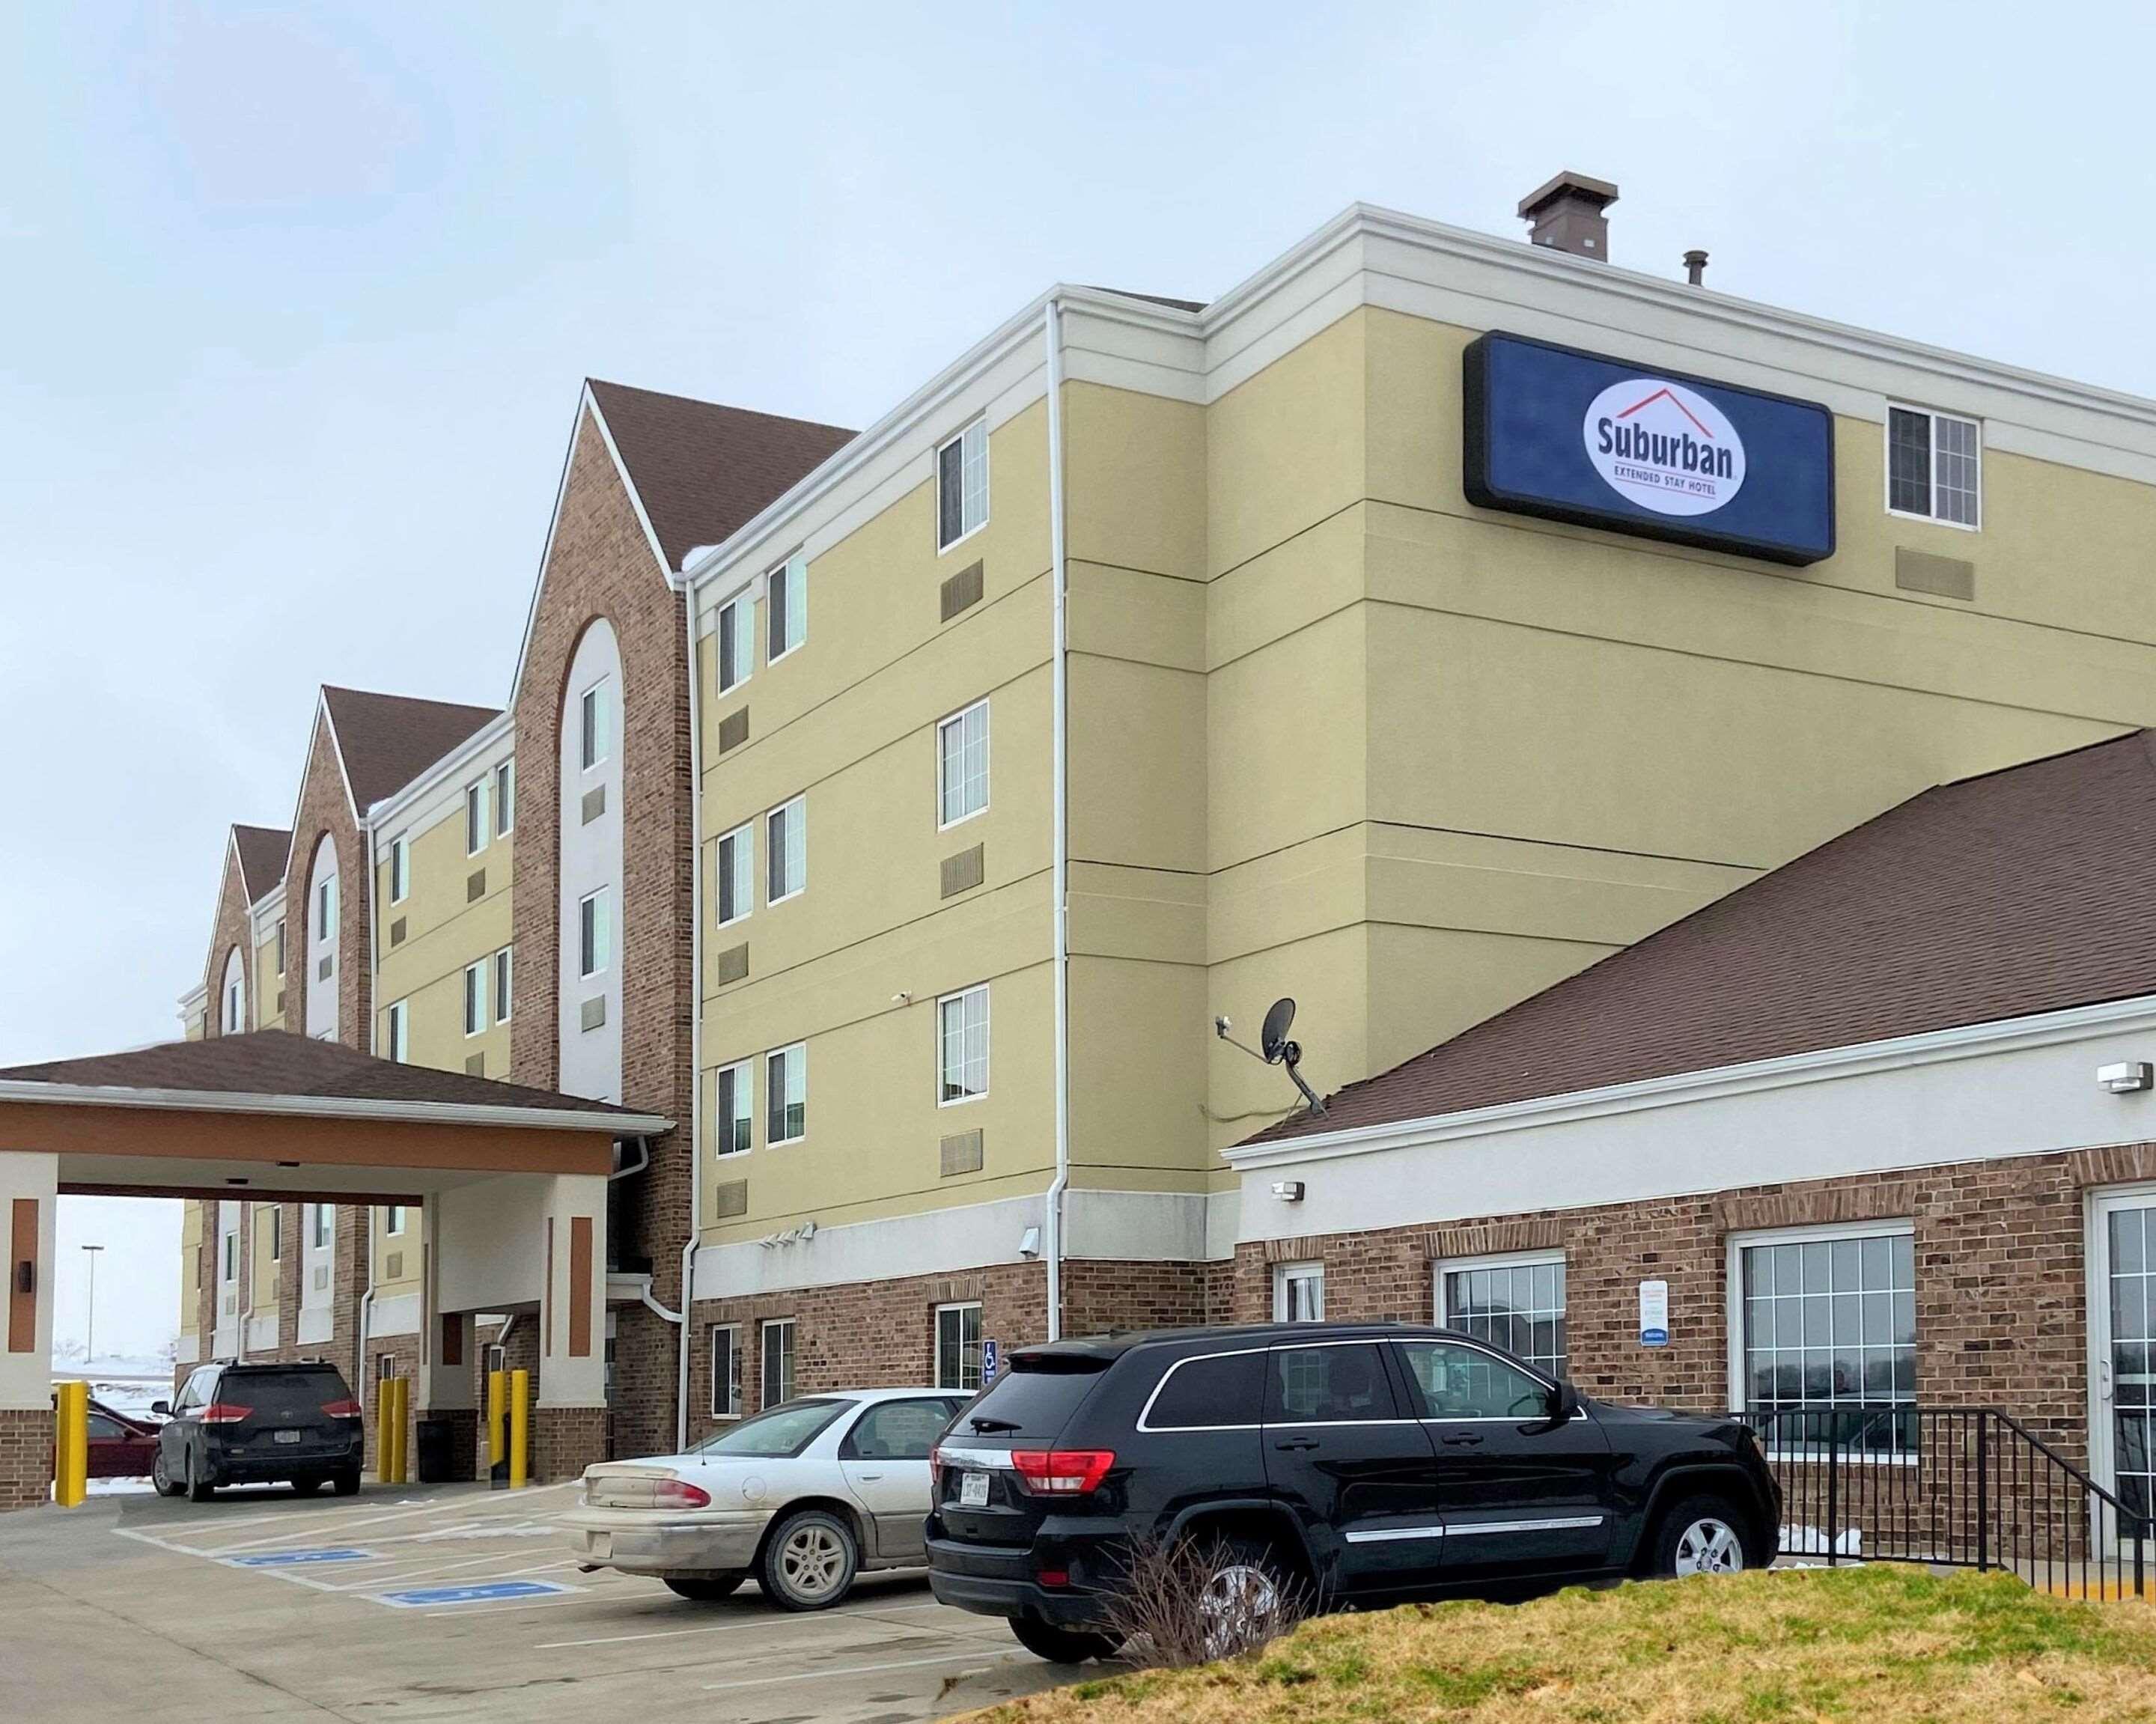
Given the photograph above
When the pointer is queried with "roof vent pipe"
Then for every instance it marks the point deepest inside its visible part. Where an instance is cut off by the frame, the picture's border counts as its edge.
(1694, 266)
(1565, 214)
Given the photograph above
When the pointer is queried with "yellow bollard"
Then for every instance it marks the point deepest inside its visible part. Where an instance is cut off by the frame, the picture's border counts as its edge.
(388, 1429)
(520, 1428)
(71, 1444)
(400, 1435)
(497, 1431)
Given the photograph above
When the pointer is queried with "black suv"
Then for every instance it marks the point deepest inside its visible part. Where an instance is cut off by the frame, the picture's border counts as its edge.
(1349, 1464)
(251, 1424)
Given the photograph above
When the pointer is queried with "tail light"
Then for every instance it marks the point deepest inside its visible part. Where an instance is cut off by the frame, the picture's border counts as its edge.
(225, 1413)
(1062, 1472)
(341, 1409)
(680, 1494)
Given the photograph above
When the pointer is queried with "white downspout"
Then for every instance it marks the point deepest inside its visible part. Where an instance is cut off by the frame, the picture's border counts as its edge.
(695, 1013)
(1060, 885)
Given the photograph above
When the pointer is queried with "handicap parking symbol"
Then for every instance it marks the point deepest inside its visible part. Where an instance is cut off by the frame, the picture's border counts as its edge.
(300, 1559)
(478, 1593)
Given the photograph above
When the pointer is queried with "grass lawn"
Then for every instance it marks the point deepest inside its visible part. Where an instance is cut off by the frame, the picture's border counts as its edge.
(1884, 1643)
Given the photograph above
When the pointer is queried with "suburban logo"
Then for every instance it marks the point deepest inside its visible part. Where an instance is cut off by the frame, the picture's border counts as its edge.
(1664, 447)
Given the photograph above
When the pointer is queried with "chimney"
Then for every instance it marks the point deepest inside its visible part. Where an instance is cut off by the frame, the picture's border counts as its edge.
(1566, 215)
(1694, 266)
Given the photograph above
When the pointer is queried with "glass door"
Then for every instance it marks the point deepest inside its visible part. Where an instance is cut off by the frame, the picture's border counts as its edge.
(2123, 1310)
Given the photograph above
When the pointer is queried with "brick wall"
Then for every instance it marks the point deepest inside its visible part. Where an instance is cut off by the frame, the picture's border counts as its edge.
(601, 565)
(2001, 1304)
(565, 1440)
(230, 932)
(26, 1457)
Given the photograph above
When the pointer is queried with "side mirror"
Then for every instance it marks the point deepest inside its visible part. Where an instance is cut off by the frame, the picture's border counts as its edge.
(163, 1409)
(1563, 1402)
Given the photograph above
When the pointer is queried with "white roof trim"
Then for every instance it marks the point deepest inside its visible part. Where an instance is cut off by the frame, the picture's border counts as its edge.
(335, 1107)
(480, 739)
(1823, 1066)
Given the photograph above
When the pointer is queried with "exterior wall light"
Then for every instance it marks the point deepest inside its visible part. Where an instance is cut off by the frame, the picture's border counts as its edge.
(1288, 1191)
(2127, 1077)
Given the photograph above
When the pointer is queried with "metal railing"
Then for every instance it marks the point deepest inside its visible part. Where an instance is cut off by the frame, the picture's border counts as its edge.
(1954, 1487)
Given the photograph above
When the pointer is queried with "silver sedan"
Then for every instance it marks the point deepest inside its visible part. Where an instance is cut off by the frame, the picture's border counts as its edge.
(805, 1497)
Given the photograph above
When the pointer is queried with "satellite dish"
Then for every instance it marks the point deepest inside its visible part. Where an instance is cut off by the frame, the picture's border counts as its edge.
(1272, 1039)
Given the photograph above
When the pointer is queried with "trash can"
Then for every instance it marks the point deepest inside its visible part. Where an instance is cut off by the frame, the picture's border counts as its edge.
(437, 1447)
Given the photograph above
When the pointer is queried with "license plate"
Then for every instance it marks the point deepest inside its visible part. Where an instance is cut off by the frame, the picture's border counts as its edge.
(601, 1548)
(973, 1490)
(287, 1436)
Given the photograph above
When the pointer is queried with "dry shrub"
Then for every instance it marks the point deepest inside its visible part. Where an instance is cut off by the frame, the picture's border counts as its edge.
(1190, 1602)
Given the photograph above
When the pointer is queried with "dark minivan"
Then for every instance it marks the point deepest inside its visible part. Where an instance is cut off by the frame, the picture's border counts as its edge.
(1344, 1464)
(249, 1424)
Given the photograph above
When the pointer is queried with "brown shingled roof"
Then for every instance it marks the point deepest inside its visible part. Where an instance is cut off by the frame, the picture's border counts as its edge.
(275, 1062)
(702, 469)
(387, 740)
(2024, 890)
(262, 853)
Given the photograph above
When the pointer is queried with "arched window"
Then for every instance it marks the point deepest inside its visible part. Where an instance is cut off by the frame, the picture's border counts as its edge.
(324, 914)
(232, 996)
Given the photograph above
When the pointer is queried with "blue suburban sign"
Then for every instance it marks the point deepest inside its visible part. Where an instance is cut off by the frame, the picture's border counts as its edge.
(1576, 437)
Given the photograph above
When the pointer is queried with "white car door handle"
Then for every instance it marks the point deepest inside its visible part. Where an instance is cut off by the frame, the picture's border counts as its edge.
(870, 1478)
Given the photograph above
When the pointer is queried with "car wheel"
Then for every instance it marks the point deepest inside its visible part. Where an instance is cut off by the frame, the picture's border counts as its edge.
(345, 1483)
(160, 1476)
(305, 1487)
(1699, 1536)
(1058, 1645)
(705, 1588)
(809, 1561)
(1245, 1599)
(201, 1484)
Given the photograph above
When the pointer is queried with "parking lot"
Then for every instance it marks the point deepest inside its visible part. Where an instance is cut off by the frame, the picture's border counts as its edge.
(441, 1603)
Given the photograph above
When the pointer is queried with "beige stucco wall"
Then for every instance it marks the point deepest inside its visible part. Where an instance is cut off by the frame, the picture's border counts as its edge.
(191, 1234)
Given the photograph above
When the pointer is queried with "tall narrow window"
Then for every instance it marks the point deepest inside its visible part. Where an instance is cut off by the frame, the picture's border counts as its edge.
(961, 484)
(789, 607)
(504, 799)
(1933, 466)
(325, 904)
(958, 1346)
(504, 976)
(400, 1041)
(594, 934)
(400, 867)
(475, 997)
(392, 1217)
(725, 1370)
(736, 642)
(276, 1233)
(778, 1385)
(786, 842)
(785, 1095)
(962, 764)
(735, 886)
(475, 819)
(280, 945)
(591, 725)
(961, 1043)
(229, 1268)
(234, 996)
(735, 1107)
(323, 1213)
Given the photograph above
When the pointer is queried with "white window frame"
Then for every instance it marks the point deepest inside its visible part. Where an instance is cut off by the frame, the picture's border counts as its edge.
(796, 811)
(790, 578)
(400, 867)
(593, 740)
(276, 1232)
(742, 838)
(1734, 1247)
(1285, 1276)
(945, 820)
(1501, 1259)
(744, 1076)
(1931, 475)
(505, 982)
(228, 1262)
(728, 1379)
(602, 940)
(942, 1070)
(400, 1031)
(479, 817)
(475, 997)
(322, 1230)
(235, 1008)
(392, 1221)
(790, 1053)
(979, 427)
(280, 938)
(325, 910)
(743, 605)
(786, 1327)
(981, 1327)
(504, 799)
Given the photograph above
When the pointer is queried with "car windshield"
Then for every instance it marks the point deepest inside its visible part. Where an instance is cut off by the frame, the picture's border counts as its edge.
(777, 1436)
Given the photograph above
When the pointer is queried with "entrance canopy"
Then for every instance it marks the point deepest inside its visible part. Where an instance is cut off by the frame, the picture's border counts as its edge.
(274, 1117)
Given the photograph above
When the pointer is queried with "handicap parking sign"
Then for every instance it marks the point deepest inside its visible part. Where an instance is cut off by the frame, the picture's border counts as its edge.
(991, 1356)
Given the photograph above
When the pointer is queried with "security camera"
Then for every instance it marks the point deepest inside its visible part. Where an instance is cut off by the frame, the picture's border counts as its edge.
(901, 996)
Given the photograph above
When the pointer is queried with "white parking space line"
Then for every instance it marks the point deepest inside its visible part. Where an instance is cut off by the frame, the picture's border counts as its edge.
(987, 1661)
(727, 1628)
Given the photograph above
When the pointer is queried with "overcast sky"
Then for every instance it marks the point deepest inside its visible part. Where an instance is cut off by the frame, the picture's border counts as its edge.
(296, 304)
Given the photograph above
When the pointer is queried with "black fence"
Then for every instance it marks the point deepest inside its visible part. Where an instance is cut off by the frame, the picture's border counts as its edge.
(1957, 1487)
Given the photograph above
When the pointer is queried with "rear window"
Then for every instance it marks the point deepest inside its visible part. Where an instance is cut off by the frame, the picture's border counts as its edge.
(302, 1389)
(778, 1434)
(1035, 1397)
(1229, 1388)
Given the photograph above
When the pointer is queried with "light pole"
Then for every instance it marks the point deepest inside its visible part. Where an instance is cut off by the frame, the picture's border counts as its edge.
(90, 1324)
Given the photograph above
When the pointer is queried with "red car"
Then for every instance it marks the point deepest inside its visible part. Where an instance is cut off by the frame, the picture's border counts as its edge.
(120, 1446)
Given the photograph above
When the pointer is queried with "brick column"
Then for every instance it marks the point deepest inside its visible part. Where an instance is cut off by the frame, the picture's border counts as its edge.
(29, 1201)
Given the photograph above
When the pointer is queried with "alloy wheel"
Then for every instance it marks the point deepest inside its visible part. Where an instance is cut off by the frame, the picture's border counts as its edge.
(1240, 1604)
(812, 1561)
(1709, 1547)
